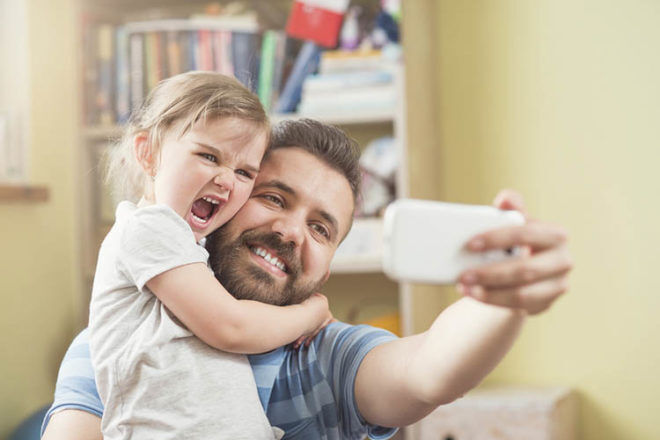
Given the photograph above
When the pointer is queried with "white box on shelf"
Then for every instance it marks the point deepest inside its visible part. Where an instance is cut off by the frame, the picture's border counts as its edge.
(362, 248)
(508, 413)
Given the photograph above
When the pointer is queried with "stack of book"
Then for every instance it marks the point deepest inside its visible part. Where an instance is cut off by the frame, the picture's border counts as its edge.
(350, 83)
(125, 62)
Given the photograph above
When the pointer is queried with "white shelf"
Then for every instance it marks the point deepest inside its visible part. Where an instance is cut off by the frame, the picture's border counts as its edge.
(348, 118)
(103, 133)
(362, 249)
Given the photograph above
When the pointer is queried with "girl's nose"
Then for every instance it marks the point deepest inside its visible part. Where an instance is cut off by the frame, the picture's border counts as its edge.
(225, 179)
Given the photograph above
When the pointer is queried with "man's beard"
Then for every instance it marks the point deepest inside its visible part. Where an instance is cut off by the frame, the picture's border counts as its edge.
(244, 280)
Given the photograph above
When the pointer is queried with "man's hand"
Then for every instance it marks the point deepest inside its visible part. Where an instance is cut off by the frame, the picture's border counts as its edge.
(532, 282)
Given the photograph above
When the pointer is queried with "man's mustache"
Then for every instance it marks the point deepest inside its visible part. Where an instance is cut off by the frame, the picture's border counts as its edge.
(285, 250)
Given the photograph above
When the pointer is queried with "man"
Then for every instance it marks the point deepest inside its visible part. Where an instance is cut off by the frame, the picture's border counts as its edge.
(352, 380)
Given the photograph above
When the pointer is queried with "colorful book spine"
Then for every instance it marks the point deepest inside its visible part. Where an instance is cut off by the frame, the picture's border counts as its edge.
(173, 53)
(266, 68)
(105, 90)
(137, 70)
(205, 50)
(306, 62)
(122, 76)
(245, 59)
(279, 63)
(222, 53)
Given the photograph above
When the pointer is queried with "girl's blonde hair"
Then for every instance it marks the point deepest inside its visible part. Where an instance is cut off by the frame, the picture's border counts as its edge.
(184, 100)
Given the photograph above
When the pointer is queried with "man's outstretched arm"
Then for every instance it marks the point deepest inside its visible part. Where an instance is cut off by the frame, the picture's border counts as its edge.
(402, 381)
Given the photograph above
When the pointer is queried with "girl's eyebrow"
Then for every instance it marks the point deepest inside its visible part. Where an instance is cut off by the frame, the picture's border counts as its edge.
(221, 155)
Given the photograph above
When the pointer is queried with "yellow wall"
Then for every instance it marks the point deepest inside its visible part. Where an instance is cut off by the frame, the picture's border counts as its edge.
(38, 265)
(561, 100)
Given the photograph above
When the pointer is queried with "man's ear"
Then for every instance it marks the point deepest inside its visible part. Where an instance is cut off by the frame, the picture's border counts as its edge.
(144, 153)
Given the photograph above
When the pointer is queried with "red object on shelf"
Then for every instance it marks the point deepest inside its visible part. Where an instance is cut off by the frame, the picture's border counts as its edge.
(317, 20)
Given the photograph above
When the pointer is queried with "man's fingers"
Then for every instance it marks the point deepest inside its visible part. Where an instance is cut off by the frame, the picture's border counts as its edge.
(510, 200)
(537, 235)
(520, 271)
(533, 298)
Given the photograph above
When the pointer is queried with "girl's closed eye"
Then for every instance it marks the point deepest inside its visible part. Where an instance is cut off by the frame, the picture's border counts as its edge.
(248, 175)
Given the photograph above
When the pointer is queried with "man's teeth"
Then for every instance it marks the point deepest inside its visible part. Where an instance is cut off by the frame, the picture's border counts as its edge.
(268, 257)
(212, 201)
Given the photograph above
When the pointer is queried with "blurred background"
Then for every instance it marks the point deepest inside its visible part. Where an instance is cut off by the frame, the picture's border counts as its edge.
(450, 100)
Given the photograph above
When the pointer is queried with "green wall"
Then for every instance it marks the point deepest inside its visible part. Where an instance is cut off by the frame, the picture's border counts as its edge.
(38, 266)
(561, 100)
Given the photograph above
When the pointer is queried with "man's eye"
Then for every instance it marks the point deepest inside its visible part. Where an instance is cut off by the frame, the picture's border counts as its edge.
(245, 174)
(273, 199)
(320, 229)
(209, 157)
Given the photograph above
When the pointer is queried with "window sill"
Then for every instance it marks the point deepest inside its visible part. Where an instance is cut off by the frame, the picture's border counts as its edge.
(23, 193)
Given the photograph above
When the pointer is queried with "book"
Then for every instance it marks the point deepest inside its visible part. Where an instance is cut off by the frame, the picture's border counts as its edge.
(280, 62)
(193, 49)
(317, 20)
(346, 80)
(137, 70)
(266, 68)
(342, 61)
(104, 92)
(222, 52)
(122, 76)
(360, 99)
(245, 58)
(152, 65)
(306, 63)
(205, 50)
(174, 57)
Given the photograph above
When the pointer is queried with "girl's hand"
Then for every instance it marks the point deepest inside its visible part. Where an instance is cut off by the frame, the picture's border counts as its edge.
(316, 300)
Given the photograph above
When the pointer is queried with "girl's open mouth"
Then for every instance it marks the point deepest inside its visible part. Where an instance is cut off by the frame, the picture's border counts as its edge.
(203, 210)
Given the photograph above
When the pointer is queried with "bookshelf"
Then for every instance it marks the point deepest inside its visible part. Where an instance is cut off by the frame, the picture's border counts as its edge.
(23, 193)
(357, 281)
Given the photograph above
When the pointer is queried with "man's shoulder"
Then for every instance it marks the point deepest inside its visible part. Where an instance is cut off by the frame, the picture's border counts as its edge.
(341, 341)
(341, 333)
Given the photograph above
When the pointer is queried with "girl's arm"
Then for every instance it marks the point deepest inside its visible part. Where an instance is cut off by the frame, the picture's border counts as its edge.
(73, 424)
(196, 298)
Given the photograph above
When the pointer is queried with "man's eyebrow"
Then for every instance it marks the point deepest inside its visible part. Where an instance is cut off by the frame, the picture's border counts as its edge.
(277, 184)
(221, 155)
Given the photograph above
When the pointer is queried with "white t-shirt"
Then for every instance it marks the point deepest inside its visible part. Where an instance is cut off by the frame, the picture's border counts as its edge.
(155, 378)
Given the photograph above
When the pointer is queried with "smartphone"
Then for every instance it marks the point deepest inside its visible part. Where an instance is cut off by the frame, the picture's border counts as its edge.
(425, 241)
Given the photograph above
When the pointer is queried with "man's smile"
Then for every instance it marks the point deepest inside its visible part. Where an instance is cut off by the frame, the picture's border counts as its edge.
(268, 259)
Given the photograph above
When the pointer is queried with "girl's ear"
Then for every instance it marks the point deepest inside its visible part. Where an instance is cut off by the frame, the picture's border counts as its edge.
(143, 153)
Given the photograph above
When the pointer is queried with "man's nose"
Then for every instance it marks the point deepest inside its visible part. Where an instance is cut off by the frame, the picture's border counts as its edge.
(290, 229)
(225, 178)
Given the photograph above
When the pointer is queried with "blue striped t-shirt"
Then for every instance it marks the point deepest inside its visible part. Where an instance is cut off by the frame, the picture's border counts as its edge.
(309, 393)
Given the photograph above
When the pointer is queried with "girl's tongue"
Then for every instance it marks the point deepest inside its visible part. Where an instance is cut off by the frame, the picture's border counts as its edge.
(202, 209)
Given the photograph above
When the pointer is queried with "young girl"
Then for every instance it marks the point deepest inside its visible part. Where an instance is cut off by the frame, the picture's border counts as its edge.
(158, 317)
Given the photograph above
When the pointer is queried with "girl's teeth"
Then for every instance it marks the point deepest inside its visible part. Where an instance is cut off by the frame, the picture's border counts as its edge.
(197, 218)
(210, 200)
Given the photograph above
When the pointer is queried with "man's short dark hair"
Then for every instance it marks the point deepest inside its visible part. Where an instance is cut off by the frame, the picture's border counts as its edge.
(330, 144)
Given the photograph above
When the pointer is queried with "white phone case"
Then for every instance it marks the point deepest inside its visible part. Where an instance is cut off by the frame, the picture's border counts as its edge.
(425, 241)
